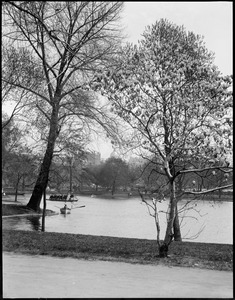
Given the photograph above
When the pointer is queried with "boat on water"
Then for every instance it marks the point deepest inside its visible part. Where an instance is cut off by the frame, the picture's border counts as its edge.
(65, 210)
(62, 198)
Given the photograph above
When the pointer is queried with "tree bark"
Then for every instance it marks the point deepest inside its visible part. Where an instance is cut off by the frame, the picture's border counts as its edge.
(70, 178)
(113, 188)
(176, 227)
(44, 210)
(170, 223)
(173, 226)
(17, 185)
(42, 180)
(23, 183)
(163, 250)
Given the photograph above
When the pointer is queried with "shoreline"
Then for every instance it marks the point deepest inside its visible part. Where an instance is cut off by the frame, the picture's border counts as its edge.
(124, 195)
(226, 196)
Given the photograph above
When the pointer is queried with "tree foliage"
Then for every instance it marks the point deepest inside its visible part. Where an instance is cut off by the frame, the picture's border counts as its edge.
(114, 173)
(18, 162)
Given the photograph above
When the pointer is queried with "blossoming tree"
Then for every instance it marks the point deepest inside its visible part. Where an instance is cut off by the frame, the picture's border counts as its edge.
(179, 106)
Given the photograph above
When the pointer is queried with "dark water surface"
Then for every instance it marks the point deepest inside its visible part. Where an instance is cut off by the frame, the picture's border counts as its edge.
(130, 218)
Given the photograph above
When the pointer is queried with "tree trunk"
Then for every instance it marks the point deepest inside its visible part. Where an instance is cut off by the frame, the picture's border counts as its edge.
(42, 180)
(113, 188)
(170, 223)
(176, 227)
(23, 183)
(44, 210)
(70, 178)
(17, 185)
(163, 250)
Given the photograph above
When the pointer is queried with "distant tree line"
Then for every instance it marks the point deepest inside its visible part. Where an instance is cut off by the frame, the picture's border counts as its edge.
(20, 167)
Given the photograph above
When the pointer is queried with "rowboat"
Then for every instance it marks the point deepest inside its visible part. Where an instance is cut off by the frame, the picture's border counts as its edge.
(62, 198)
(65, 210)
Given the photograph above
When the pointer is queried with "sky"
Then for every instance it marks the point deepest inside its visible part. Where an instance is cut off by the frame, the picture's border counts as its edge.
(213, 20)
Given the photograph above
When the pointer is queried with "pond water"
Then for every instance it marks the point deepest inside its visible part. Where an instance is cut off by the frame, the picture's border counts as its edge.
(130, 218)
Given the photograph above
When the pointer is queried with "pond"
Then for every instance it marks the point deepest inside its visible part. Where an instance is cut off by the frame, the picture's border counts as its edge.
(206, 221)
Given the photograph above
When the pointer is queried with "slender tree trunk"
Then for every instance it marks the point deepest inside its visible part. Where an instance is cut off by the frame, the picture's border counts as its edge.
(44, 210)
(163, 251)
(42, 180)
(176, 227)
(113, 188)
(172, 213)
(70, 178)
(158, 229)
(17, 185)
(23, 183)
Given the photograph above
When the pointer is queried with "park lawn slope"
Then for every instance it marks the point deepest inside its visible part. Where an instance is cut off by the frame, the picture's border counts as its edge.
(14, 209)
(183, 254)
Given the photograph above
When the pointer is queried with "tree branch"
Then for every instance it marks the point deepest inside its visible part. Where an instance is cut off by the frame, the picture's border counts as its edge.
(209, 191)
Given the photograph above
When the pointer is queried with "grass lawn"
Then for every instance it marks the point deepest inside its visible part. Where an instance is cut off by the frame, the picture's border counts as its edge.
(185, 254)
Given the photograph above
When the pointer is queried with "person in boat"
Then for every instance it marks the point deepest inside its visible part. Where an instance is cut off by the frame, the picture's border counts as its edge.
(66, 207)
(68, 197)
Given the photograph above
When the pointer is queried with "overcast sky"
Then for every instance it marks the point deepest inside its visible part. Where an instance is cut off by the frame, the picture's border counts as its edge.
(213, 20)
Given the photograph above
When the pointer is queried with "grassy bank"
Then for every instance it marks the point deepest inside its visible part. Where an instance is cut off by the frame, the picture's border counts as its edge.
(18, 209)
(185, 254)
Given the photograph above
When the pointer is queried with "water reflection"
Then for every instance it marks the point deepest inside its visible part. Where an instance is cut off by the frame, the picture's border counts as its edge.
(34, 221)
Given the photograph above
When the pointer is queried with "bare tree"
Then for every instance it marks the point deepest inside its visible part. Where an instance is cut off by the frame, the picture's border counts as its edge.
(65, 42)
(17, 99)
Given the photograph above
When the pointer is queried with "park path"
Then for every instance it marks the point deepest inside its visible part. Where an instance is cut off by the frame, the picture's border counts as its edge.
(27, 276)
